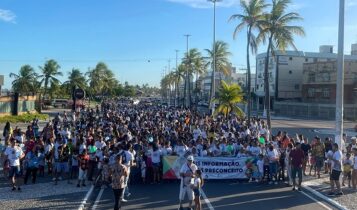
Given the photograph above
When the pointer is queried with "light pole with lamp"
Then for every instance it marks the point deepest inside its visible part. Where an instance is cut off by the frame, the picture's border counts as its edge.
(213, 85)
(187, 83)
(340, 76)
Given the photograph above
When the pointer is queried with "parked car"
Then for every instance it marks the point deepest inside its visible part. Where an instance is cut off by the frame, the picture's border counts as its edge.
(60, 103)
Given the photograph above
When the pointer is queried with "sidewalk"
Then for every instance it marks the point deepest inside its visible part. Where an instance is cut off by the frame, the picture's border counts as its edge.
(320, 187)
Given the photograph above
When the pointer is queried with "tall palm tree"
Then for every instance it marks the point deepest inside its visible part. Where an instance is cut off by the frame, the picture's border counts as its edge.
(223, 64)
(50, 72)
(25, 81)
(228, 98)
(101, 80)
(276, 29)
(193, 61)
(179, 75)
(251, 18)
(76, 78)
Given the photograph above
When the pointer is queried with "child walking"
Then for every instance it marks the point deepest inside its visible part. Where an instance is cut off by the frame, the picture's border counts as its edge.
(197, 185)
(347, 170)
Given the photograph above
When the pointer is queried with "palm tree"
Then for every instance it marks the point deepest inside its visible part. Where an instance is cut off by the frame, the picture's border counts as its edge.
(277, 30)
(228, 98)
(102, 80)
(222, 61)
(76, 78)
(251, 18)
(50, 71)
(193, 62)
(178, 76)
(25, 81)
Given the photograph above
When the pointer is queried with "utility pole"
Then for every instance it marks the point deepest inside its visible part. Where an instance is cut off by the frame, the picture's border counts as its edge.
(213, 90)
(340, 77)
(187, 83)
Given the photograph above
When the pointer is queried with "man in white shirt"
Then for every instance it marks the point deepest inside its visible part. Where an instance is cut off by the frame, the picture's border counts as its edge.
(187, 174)
(128, 162)
(180, 149)
(336, 171)
(14, 154)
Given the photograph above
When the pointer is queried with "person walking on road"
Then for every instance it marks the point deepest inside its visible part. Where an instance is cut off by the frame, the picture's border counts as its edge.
(14, 154)
(336, 171)
(118, 173)
(296, 161)
(354, 171)
(196, 186)
(187, 174)
(318, 152)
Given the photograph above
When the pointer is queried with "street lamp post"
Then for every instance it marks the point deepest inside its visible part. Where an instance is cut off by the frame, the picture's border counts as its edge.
(213, 90)
(340, 76)
(187, 83)
(176, 85)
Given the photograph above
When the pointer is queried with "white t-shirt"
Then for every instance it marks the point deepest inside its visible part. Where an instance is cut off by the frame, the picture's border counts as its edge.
(13, 155)
(197, 182)
(100, 145)
(273, 156)
(355, 162)
(260, 164)
(129, 158)
(254, 150)
(188, 169)
(337, 163)
(165, 151)
(180, 150)
(196, 133)
(155, 156)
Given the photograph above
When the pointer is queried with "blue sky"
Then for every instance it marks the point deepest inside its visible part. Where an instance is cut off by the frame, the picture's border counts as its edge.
(127, 33)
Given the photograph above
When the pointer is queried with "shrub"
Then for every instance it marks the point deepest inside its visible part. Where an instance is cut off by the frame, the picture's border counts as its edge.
(28, 117)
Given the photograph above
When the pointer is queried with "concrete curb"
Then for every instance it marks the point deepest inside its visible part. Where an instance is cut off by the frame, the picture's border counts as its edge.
(306, 186)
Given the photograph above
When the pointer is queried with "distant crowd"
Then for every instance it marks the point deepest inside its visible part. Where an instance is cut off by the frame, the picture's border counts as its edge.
(115, 143)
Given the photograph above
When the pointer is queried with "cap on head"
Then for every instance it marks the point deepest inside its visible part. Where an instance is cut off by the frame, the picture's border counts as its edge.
(190, 158)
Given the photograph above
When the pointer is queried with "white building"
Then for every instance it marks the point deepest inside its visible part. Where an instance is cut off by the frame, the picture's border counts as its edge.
(286, 72)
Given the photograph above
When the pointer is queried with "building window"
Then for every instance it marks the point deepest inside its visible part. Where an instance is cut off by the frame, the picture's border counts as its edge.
(325, 77)
(315, 60)
(297, 87)
(311, 77)
(306, 60)
(290, 72)
(311, 92)
(290, 58)
(326, 92)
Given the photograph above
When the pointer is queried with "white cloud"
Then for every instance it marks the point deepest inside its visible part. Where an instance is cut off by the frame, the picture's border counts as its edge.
(203, 4)
(351, 3)
(7, 16)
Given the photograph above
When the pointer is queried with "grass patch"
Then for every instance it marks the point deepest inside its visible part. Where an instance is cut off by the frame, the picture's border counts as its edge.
(28, 117)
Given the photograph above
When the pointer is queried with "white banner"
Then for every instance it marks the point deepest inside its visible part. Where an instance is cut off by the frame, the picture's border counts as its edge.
(222, 167)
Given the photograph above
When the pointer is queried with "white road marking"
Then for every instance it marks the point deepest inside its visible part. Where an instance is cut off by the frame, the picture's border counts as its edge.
(320, 195)
(84, 201)
(318, 202)
(208, 203)
(98, 199)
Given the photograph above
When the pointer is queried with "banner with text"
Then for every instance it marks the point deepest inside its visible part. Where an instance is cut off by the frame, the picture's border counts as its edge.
(213, 167)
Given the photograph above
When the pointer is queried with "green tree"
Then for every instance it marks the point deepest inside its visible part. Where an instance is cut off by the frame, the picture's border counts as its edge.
(223, 64)
(50, 72)
(77, 78)
(178, 75)
(24, 82)
(193, 62)
(228, 97)
(276, 29)
(251, 18)
(102, 80)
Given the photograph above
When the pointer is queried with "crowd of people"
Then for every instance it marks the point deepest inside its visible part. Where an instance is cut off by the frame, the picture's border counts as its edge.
(116, 142)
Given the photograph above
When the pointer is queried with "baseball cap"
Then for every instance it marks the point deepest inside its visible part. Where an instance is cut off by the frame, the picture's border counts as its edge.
(190, 158)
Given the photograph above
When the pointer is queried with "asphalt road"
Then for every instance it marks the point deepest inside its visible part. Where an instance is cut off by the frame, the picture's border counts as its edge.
(222, 195)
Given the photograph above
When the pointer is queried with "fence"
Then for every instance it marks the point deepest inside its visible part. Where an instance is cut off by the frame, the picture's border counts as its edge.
(313, 111)
(16, 104)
